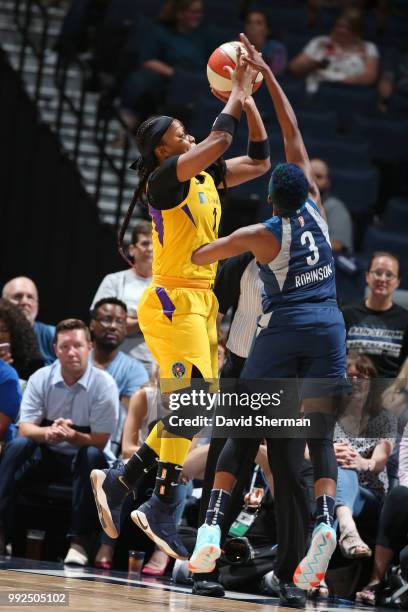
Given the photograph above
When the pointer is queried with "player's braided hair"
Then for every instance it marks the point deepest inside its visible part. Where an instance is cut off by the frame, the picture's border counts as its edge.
(144, 168)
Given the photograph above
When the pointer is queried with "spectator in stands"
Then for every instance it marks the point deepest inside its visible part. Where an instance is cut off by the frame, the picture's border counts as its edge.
(108, 329)
(179, 40)
(68, 412)
(395, 400)
(395, 397)
(392, 532)
(343, 56)
(363, 447)
(393, 78)
(10, 399)
(378, 327)
(258, 32)
(78, 26)
(222, 349)
(128, 286)
(22, 292)
(315, 6)
(338, 217)
(18, 344)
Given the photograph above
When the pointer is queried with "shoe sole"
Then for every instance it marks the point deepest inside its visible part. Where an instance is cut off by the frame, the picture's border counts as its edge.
(203, 561)
(74, 563)
(208, 592)
(140, 519)
(76, 559)
(105, 517)
(312, 569)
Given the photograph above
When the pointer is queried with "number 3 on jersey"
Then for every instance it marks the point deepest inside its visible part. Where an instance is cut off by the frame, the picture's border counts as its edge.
(307, 239)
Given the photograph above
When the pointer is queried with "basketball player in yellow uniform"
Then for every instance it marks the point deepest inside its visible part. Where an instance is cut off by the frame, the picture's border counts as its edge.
(177, 313)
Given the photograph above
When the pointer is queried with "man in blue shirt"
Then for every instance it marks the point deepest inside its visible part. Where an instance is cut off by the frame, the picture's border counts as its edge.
(10, 399)
(68, 413)
(22, 292)
(108, 328)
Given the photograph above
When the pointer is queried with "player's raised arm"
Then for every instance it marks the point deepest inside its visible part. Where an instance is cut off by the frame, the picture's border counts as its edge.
(257, 161)
(217, 142)
(255, 238)
(295, 150)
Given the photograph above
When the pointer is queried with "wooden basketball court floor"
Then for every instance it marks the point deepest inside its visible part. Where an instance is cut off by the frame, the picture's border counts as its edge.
(90, 589)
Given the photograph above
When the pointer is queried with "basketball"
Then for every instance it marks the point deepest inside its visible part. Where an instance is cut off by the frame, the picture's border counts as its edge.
(226, 55)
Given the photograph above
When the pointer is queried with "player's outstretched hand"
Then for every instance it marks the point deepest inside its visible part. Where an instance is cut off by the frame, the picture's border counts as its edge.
(253, 57)
(243, 76)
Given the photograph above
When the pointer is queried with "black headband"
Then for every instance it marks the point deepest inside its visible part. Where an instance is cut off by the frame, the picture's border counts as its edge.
(154, 131)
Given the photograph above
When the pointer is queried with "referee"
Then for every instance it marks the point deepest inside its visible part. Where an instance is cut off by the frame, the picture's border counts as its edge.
(239, 287)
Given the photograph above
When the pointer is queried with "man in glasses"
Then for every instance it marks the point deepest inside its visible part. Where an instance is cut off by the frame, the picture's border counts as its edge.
(68, 413)
(338, 217)
(108, 328)
(378, 327)
(23, 293)
(128, 286)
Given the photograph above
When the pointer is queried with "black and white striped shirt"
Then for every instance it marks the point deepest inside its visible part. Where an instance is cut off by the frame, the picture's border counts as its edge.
(239, 287)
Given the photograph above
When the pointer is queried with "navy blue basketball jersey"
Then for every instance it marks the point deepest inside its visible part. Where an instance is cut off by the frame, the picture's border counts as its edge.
(303, 270)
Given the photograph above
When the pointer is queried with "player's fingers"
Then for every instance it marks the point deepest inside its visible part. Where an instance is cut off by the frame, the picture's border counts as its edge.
(250, 62)
(245, 42)
(229, 70)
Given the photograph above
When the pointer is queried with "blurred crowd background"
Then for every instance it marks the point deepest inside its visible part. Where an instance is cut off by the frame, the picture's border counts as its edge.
(77, 79)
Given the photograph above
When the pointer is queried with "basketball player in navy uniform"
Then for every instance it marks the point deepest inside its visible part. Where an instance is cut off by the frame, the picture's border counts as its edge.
(300, 335)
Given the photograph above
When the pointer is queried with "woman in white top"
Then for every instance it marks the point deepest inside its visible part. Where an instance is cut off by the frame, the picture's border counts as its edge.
(343, 56)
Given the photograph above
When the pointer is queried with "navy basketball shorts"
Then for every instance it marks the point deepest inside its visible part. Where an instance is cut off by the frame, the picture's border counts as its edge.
(306, 341)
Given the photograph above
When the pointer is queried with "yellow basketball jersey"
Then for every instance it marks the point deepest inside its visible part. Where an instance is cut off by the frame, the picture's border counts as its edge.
(179, 231)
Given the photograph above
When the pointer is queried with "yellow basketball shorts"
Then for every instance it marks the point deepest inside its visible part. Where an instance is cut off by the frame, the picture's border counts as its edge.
(179, 327)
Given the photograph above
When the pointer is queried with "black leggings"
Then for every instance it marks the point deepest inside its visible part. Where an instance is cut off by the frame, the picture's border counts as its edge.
(321, 447)
(232, 369)
(292, 512)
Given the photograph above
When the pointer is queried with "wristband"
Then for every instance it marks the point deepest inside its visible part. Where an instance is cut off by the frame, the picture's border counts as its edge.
(225, 123)
(258, 149)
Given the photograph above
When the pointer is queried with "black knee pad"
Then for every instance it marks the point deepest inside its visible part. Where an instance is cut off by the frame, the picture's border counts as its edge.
(320, 445)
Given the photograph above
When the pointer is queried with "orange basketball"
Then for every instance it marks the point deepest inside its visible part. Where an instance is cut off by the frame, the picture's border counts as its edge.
(226, 55)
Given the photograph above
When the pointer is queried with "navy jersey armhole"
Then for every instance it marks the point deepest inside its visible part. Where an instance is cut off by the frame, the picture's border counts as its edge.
(274, 225)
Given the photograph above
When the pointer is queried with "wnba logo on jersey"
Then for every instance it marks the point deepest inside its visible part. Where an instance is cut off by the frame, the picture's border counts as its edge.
(178, 369)
(201, 197)
(301, 221)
